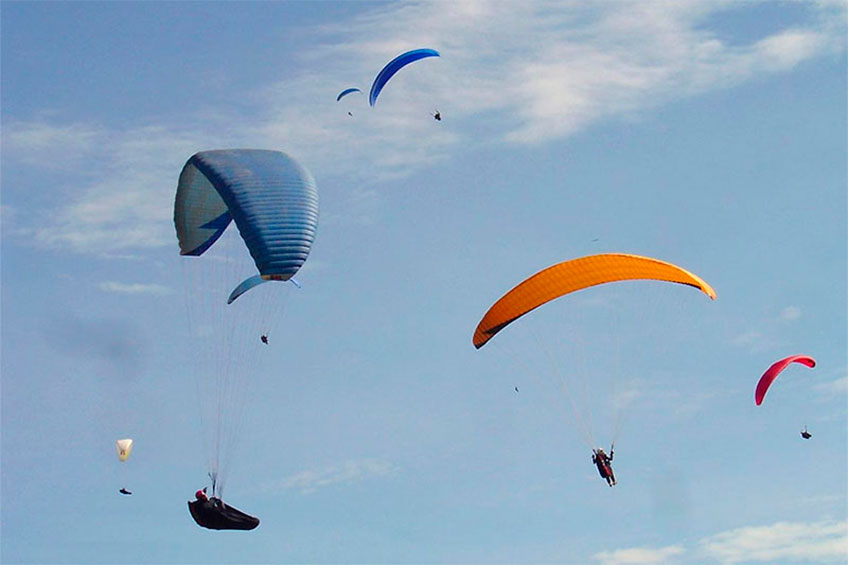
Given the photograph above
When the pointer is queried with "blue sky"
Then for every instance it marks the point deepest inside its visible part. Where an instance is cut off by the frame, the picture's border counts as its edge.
(708, 134)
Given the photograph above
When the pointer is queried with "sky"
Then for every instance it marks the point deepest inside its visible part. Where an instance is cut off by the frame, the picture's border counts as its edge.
(708, 134)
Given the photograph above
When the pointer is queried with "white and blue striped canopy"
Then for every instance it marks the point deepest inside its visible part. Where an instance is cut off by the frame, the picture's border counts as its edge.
(272, 198)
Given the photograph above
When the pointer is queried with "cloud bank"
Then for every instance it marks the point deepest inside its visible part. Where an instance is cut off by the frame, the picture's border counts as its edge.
(782, 542)
(510, 73)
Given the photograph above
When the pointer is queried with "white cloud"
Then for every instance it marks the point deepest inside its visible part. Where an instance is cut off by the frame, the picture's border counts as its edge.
(134, 288)
(794, 542)
(351, 471)
(755, 341)
(690, 405)
(790, 313)
(128, 206)
(785, 50)
(639, 555)
(750, 337)
(47, 145)
(509, 72)
(834, 388)
(788, 542)
(625, 398)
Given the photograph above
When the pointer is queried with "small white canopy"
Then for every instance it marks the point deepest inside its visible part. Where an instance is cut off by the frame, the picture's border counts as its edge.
(124, 447)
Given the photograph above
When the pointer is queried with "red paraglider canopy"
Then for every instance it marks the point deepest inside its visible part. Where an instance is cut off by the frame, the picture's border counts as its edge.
(772, 372)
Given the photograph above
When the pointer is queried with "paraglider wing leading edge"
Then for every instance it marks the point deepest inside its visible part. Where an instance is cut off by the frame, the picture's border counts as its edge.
(577, 274)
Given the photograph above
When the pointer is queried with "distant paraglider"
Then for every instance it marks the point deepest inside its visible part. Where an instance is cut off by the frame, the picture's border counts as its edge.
(772, 373)
(393, 67)
(345, 92)
(124, 448)
(571, 276)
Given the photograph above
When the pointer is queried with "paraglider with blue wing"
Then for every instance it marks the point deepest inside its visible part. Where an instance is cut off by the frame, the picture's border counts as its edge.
(273, 201)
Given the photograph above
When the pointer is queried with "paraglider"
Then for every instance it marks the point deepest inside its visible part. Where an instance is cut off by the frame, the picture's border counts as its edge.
(345, 92)
(273, 202)
(563, 279)
(772, 373)
(393, 67)
(124, 447)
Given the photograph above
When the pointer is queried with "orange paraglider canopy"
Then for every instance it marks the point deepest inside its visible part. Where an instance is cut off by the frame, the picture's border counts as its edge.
(574, 275)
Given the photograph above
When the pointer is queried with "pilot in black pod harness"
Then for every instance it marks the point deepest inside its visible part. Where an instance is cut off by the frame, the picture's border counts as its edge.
(212, 513)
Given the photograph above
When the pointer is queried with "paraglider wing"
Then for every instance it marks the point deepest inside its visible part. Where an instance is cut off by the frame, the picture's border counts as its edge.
(394, 66)
(577, 274)
(124, 447)
(271, 197)
(213, 514)
(772, 372)
(345, 92)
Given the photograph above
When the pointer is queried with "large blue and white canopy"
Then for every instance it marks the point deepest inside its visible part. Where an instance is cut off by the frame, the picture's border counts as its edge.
(272, 198)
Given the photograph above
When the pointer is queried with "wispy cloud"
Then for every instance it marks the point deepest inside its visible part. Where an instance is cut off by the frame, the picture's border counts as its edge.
(790, 313)
(786, 542)
(130, 205)
(134, 288)
(351, 471)
(639, 555)
(837, 387)
(625, 398)
(522, 73)
(749, 338)
(691, 405)
(46, 145)
(793, 542)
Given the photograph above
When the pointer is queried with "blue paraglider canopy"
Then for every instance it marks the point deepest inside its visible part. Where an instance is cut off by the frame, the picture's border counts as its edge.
(345, 92)
(270, 196)
(394, 66)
